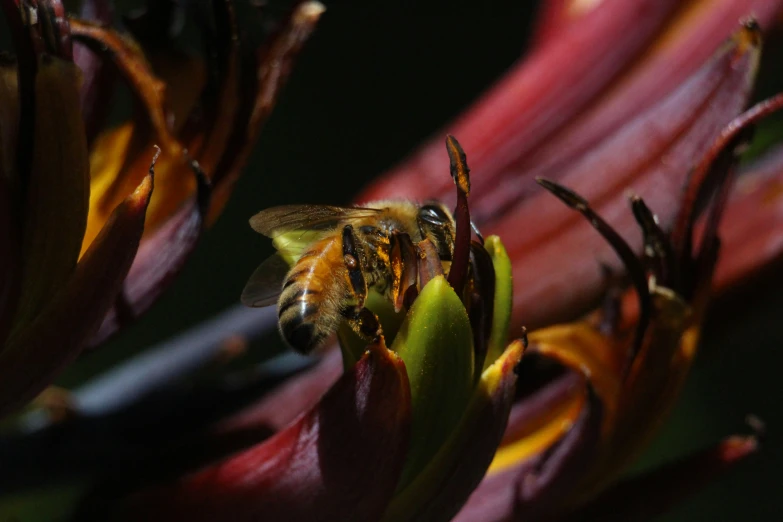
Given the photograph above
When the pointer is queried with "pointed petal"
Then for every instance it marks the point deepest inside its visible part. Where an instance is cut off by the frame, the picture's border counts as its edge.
(436, 343)
(563, 465)
(635, 91)
(36, 353)
(440, 490)
(159, 260)
(131, 63)
(549, 284)
(688, 42)
(501, 315)
(118, 161)
(540, 484)
(342, 457)
(651, 494)
(540, 417)
(57, 189)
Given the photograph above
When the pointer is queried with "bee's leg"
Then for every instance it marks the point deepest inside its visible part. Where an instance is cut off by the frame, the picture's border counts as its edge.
(364, 323)
(429, 262)
(404, 263)
(360, 319)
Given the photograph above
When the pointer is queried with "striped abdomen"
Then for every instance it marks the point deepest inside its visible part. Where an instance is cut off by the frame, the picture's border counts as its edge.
(313, 293)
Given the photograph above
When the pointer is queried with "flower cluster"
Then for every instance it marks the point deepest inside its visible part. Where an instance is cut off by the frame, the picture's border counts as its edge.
(85, 245)
(443, 417)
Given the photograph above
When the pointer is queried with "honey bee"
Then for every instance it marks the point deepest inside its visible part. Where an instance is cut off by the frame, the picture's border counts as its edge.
(329, 258)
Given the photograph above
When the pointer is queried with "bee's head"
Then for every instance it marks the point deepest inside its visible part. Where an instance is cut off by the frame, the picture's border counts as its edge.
(437, 224)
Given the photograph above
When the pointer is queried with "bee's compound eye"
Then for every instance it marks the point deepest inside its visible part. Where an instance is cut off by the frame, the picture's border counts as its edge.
(434, 215)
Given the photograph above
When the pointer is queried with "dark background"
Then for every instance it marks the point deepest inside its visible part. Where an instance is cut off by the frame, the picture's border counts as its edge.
(374, 81)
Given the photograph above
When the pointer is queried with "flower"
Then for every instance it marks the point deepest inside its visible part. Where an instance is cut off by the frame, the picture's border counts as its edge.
(570, 437)
(572, 441)
(592, 391)
(85, 246)
(389, 440)
(658, 95)
(50, 303)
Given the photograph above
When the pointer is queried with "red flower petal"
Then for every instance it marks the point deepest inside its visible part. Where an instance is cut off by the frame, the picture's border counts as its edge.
(298, 394)
(556, 273)
(342, 457)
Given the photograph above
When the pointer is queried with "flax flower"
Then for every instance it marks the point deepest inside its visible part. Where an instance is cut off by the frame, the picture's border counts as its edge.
(406, 432)
(85, 245)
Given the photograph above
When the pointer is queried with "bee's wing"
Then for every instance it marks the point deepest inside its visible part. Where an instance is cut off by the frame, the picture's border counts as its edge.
(264, 286)
(294, 227)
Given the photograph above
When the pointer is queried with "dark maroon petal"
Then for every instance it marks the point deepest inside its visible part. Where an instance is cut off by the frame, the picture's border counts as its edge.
(161, 256)
(752, 229)
(649, 495)
(34, 355)
(539, 402)
(9, 260)
(341, 458)
(97, 74)
(556, 272)
(298, 394)
(535, 488)
(677, 57)
(562, 466)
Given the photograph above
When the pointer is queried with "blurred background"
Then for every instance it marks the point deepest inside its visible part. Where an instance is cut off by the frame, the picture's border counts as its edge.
(375, 80)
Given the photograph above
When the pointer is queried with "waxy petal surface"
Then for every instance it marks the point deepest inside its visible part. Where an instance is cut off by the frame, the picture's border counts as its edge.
(679, 51)
(535, 487)
(652, 155)
(436, 343)
(340, 461)
(443, 486)
(117, 163)
(36, 353)
(159, 259)
(57, 191)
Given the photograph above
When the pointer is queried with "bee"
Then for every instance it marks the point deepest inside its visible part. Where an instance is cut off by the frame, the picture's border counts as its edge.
(337, 255)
